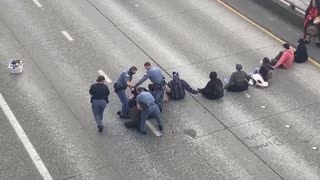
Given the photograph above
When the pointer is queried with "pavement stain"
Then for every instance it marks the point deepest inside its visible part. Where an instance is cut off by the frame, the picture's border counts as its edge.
(190, 132)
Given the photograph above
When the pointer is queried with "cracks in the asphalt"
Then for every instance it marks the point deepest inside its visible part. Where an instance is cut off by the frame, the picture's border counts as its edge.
(272, 115)
(307, 84)
(199, 154)
(89, 171)
(220, 57)
(170, 125)
(158, 17)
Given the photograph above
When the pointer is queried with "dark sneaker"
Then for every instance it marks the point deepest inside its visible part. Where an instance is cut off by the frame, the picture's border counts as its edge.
(160, 128)
(119, 112)
(100, 128)
(144, 133)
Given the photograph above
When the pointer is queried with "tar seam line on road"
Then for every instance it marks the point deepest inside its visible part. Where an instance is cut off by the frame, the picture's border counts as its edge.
(157, 17)
(59, 95)
(42, 169)
(132, 41)
(218, 58)
(272, 115)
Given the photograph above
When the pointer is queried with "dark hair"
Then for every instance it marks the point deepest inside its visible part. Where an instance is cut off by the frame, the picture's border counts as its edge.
(213, 75)
(133, 68)
(317, 5)
(140, 89)
(286, 45)
(301, 41)
(100, 78)
(265, 60)
(151, 87)
(147, 64)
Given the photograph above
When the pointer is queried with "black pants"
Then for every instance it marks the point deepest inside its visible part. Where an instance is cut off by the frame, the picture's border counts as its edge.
(276, 59)
(239, 87)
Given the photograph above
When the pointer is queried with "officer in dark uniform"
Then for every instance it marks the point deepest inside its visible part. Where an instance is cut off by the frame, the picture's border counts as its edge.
(99, 98)
(155, 76)
(120, 87)
(146, 103)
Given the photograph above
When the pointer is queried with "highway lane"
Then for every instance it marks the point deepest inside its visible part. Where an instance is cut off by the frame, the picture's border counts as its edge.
(51, 100)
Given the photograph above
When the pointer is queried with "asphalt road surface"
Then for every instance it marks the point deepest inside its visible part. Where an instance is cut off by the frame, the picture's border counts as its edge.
(261, 134)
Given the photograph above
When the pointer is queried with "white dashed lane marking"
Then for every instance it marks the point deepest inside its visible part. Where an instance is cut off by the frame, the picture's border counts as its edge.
(67, 35)
(37, 3)
(108, 80)
(25, 140)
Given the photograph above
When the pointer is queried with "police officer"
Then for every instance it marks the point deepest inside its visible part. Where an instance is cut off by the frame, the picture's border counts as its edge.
(99, 98)
(120, 87)
(155, 76)
(146, 103)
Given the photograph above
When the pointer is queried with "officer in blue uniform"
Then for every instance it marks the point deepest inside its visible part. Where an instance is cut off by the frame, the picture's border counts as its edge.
(155, 76)
(120, 87)
(146, 103)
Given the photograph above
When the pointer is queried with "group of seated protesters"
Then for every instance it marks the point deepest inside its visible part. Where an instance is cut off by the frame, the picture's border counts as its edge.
(239, 80)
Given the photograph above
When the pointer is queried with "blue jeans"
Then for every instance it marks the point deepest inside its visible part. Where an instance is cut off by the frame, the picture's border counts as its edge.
(256, 70)
(98, 107)
(158, 96)
(124, 102)
(152, 110)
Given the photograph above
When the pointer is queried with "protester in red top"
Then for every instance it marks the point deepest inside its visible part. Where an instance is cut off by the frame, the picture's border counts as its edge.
(285, 58)
(311, 13)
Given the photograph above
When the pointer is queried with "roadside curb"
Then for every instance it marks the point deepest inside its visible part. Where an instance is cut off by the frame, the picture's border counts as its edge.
(264, 28)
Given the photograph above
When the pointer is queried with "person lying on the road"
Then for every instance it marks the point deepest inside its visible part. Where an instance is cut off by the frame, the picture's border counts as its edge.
(284, 59)
(134, 113)
(238, 81)
(301, 54)
(214, 88)
(176, 87)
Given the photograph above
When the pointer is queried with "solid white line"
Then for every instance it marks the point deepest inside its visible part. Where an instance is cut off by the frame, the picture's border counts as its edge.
(154, 130)
(105, 76)
(25, 140)
(67, 35)
(37, 3)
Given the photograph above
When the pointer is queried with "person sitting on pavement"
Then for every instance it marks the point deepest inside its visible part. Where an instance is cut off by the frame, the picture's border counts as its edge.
(301, 54)
(260, 76)
(238, 81)
(146, 103)
(214, 88)
(284, 59)
(311, 22)
(265, 69)
(176, 87)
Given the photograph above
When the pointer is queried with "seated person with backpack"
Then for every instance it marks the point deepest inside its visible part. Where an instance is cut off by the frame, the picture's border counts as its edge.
(238, 81)
(214, 88)
(176, 87)
(260, 76)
